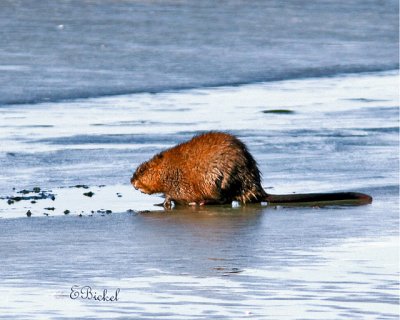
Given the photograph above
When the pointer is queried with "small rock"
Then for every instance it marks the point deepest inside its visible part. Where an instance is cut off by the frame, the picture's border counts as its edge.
(29, 213)
(36, 190)
(89, 194)
(67, 212)
(50, 208)
(9, 201)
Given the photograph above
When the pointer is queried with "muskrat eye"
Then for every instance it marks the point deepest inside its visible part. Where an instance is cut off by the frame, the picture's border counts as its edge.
(140, 170)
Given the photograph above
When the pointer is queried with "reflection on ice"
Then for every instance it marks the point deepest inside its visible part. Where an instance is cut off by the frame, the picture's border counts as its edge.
(323, 290)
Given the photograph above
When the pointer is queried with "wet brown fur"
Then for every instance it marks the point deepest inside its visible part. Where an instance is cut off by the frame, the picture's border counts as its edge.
(211, 168)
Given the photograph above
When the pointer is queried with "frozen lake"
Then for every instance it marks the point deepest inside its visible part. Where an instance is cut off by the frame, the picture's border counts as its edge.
(224, 262)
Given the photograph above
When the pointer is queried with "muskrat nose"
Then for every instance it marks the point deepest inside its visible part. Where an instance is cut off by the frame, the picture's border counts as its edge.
(133, 182)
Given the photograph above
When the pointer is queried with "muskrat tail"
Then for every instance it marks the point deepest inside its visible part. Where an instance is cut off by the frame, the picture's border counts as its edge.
(318, 199)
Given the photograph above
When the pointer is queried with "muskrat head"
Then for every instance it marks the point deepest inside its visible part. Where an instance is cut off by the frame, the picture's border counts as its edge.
(147, 177)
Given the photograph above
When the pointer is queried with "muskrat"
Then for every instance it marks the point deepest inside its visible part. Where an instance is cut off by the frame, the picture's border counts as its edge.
(217, 168)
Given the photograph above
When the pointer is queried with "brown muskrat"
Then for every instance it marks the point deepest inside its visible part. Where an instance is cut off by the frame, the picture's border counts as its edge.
(217, 168)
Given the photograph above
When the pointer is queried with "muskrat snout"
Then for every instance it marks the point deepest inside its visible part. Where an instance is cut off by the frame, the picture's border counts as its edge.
(134, 182)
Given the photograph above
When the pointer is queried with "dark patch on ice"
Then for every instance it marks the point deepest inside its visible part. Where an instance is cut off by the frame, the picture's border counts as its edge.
(279, 111)
(26, 195)
(167, 109)
(25, 191)
(81, 186)
(38, 126)
(104, 211)
(366, 100)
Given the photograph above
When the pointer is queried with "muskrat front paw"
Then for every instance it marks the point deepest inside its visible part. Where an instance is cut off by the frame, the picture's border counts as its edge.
(167, 203)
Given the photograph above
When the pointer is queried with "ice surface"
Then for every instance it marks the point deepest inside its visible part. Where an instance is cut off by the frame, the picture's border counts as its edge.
(217, 262)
